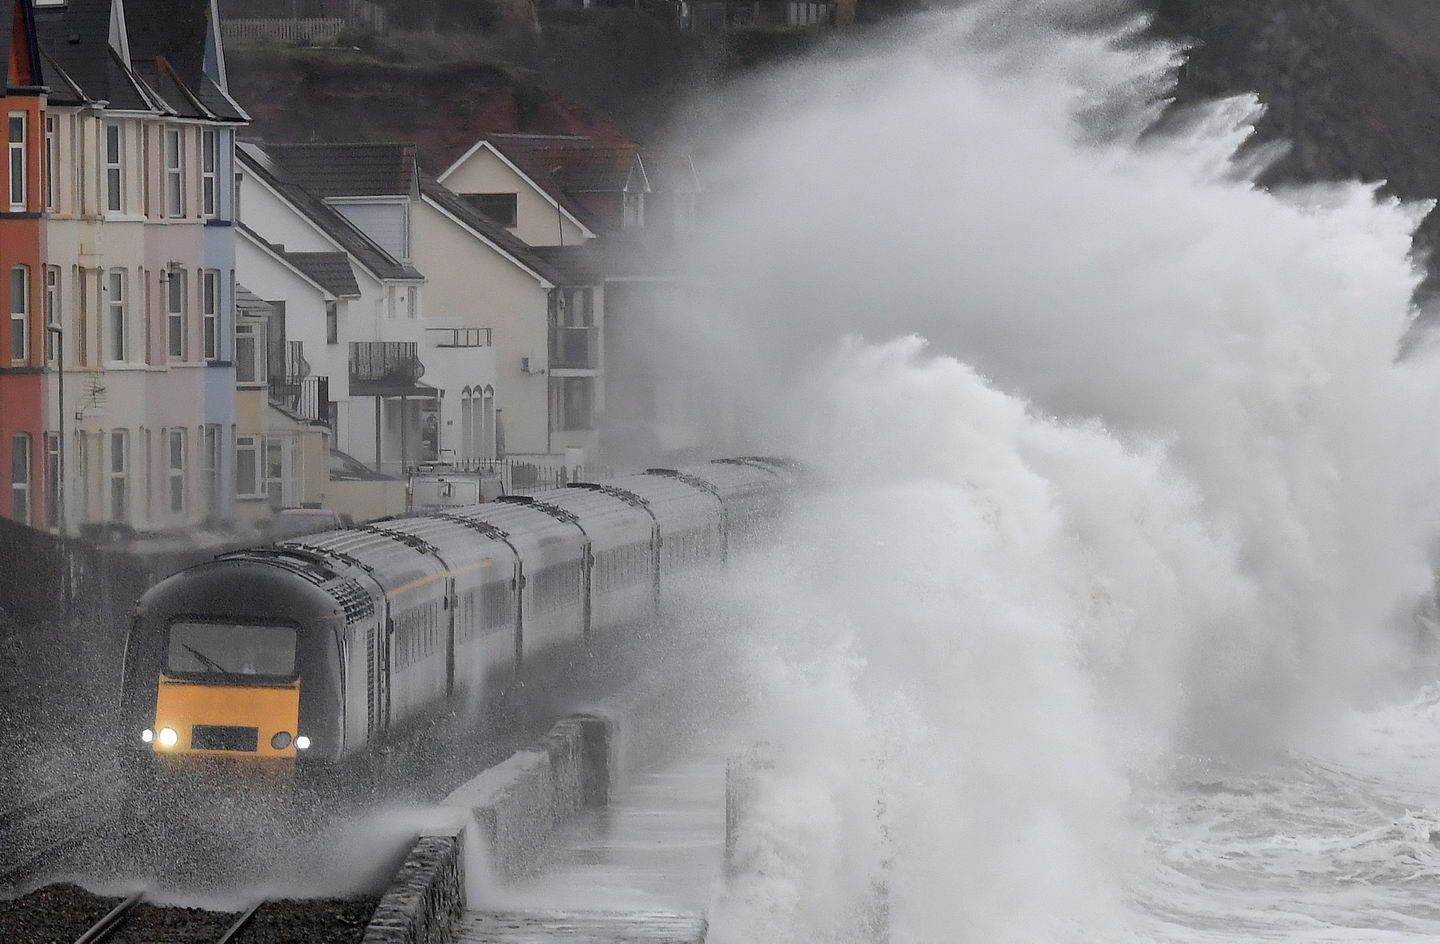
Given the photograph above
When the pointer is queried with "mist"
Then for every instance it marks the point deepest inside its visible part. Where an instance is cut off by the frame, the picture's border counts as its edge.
(1120, 466)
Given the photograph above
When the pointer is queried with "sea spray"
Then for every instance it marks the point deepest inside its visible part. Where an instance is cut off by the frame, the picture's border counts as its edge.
(1153, 486)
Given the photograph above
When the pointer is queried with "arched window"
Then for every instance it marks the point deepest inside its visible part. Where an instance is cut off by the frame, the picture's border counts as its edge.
(467, 412)
(487, 432)
(21, 463)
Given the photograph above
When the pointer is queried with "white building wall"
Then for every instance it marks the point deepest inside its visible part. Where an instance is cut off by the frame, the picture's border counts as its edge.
(538, 222)
(469, 284)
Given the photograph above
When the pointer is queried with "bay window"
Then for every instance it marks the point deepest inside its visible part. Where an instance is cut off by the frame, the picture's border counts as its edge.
(119, 329)
(175, 449)
(210, 292)
(174, 173)
(114, 167)
(19, 314)
(20, 466)
(18, 163)
(175, 314)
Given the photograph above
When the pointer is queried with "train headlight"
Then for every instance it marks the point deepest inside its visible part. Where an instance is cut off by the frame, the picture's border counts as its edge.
(147, 735)
(302, 743)
(168, 737)
(281, 740)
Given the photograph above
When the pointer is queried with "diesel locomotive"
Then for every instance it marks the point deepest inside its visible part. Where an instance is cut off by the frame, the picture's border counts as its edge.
(313, 650)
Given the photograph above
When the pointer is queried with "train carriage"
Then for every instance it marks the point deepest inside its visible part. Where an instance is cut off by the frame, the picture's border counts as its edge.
(316, 648)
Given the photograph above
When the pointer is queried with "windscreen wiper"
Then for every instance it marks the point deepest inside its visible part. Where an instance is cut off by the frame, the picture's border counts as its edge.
(214, 666)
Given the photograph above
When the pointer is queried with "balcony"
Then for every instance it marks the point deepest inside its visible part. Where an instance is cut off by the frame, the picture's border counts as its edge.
(574, 348)
(305, 397)
(386, 369)
(458, 337)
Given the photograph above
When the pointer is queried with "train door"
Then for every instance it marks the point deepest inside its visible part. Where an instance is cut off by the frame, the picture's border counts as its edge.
(377, 672)
(587, 603)
(519, 586)
(451, 604)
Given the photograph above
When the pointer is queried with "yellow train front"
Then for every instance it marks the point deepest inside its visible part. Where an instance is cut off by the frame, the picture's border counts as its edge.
(235, 659)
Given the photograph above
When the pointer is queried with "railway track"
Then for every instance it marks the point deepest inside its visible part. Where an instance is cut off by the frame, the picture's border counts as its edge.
(115, 918)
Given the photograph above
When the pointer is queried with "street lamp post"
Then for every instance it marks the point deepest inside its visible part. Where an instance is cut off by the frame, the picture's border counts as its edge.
(59, 334)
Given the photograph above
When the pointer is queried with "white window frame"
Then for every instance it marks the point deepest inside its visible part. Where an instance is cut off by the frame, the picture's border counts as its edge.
(119, 475)
(51, 155)
(175, 173)
(175, 319)
(210, 173)
(210, 312)
(210, 459)
(254, 448)
(17, 161)
(114, 166)
(52, 309)
(258, 359)
(22, 474)
(176, 464)
(19, 315)
(117, 309)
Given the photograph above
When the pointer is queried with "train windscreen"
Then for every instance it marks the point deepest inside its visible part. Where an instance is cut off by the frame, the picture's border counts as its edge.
(198, 649)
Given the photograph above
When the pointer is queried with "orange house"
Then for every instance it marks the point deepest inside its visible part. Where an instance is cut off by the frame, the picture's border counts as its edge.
(23, 195)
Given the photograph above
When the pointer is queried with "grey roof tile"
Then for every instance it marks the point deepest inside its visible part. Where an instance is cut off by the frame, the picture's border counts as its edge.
(349, 170)
(460, 208)
(330, 269)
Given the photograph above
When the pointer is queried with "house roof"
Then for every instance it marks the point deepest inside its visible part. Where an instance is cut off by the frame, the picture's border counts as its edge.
(349, 170)
(330, 269)
(670, 171)
(609, 257)
(576, 164)
(168, 43)
(508, 242)
(360, 247)
(27, 60)
(249, 303)
(77, 38)
(524, 150)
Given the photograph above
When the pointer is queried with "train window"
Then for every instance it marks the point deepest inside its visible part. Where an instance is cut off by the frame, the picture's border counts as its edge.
(230, 649)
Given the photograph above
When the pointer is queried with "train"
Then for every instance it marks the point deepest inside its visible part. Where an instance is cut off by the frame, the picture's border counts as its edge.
(316, 649)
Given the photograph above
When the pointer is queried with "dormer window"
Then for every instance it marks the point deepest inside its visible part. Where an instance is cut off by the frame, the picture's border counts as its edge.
(502, 208)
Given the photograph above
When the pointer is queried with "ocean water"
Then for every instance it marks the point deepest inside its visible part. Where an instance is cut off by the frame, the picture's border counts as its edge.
(1095, 625)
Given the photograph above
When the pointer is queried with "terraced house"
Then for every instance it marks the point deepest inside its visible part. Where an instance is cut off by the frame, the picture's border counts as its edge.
(138, 193)
(22, 250)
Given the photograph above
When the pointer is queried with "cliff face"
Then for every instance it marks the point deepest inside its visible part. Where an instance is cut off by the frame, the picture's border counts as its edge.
(1352, 85)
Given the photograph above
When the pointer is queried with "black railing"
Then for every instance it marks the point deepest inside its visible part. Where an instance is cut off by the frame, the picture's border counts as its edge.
(574, 348)
(305, 397)
(458, 337)
(390, 364)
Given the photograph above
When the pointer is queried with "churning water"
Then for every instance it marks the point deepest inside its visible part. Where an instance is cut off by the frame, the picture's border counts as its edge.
(1095, 633)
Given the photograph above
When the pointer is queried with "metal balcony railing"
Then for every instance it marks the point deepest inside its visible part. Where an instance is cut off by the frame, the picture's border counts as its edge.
(305, 397)
(384, 368)
(574, 348)
(458, 337)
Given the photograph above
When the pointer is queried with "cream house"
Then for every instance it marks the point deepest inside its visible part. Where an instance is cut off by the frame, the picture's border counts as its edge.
(139, 281)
